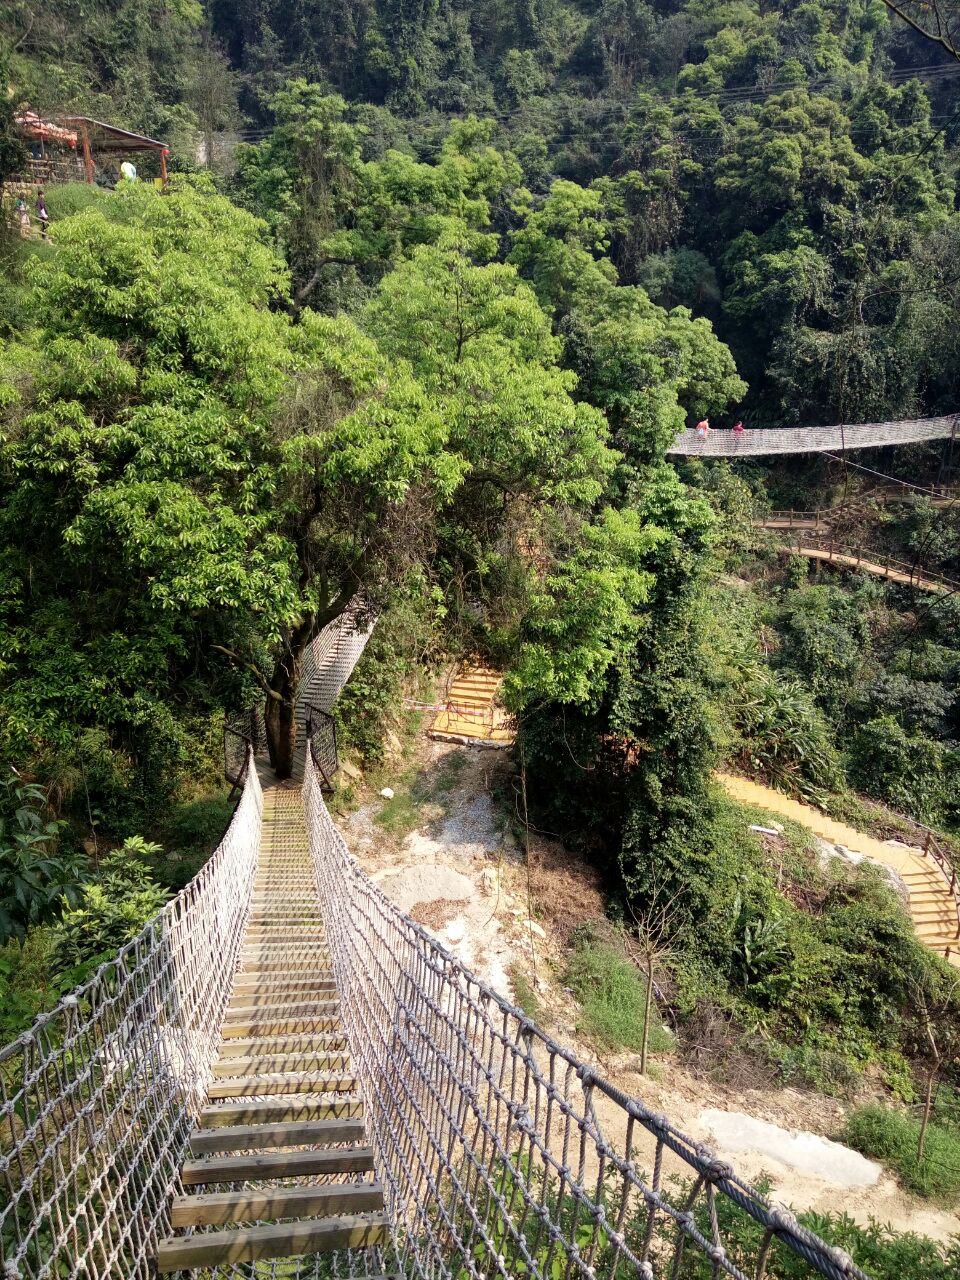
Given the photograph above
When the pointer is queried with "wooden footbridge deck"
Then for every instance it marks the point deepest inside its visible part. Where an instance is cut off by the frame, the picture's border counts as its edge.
(280, 1166)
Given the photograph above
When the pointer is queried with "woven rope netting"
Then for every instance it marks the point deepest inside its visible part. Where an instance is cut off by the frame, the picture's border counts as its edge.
(770, 440)
(98, 1098)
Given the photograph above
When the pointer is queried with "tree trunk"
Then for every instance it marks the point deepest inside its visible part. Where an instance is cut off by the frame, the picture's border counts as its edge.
(280, 720)
(927, 1108)
(646, 1017)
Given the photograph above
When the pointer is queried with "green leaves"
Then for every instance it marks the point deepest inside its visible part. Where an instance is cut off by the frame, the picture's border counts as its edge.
(585, 613)
(34, 874)
(111, 909)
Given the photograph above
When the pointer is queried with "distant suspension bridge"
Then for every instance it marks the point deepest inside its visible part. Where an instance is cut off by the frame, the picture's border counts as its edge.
(766, 441)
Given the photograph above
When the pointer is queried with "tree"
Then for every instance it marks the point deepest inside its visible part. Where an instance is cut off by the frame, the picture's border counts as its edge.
(937, 20)
(655, 923)
(941, 1032)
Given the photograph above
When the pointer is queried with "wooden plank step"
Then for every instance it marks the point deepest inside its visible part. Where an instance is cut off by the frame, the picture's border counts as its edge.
(289, 952)
(279, 1083)
(293, 1133)
(294, 976)
(281, 1240)
(259, 968)
(253, 1028)
(278, 945)
(290, 936)
(265, 997)
(213, 1208)
(240, 1048)
(283, 1009)
(279, 1064)
(265, 916)
(311, 996)
(277, 1164)
(294, 1107)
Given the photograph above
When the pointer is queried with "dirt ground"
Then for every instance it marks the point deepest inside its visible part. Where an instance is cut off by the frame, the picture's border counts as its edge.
(462, 875)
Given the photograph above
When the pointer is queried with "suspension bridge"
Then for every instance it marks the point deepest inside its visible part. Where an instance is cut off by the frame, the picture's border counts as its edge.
(284, 1077)
(835, 439)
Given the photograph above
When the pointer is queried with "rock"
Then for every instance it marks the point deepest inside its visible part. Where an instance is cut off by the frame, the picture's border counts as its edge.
(900, 844)
(766, 831)
(532, 927)
(829, 851)
(350, 770)
(490, 881)
(392, 744)
(808, 1153)
(387, 793)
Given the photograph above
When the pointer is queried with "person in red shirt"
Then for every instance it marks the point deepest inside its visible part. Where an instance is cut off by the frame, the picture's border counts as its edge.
(738, 429)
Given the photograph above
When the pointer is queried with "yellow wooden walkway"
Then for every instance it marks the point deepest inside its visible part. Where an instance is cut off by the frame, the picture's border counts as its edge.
(870, 566)
(473, 712)
(932, 905)
(283, 1129)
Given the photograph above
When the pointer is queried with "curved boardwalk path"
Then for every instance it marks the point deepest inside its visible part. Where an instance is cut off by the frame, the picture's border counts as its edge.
(932, 907)
(850, 559)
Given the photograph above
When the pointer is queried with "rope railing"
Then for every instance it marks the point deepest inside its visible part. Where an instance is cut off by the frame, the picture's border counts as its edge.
(502, 1154)
(98, 1098)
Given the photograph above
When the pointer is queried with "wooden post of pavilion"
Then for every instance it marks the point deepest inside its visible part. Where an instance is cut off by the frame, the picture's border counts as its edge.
(163, 166)
(87, 154)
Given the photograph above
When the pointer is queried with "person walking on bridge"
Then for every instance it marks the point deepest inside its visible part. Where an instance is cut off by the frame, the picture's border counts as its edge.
(703, 428)
(737, 430)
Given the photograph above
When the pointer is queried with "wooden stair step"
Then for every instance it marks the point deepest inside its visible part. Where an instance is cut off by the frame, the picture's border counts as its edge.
(284, 1009)
(294, 973)
(256, 984)
(277, 1164)
(284, 1133)
(252, 1028)
(297, 1043)
(281, 1240)
(279, 1083)
(293, 1107)
(265, 997)
(279, 1064)
(214, 1208)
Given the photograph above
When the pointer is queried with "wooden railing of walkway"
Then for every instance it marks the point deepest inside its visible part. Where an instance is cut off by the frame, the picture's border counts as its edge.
(824, 545)
(827, 517)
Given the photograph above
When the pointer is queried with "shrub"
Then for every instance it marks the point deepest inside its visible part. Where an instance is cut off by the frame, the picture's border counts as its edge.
(524, 993)
(892, 1137)
(112, 909)
(613, 993)
(783, 733)
(915, 775)
(880, 1251)
(36, 874)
